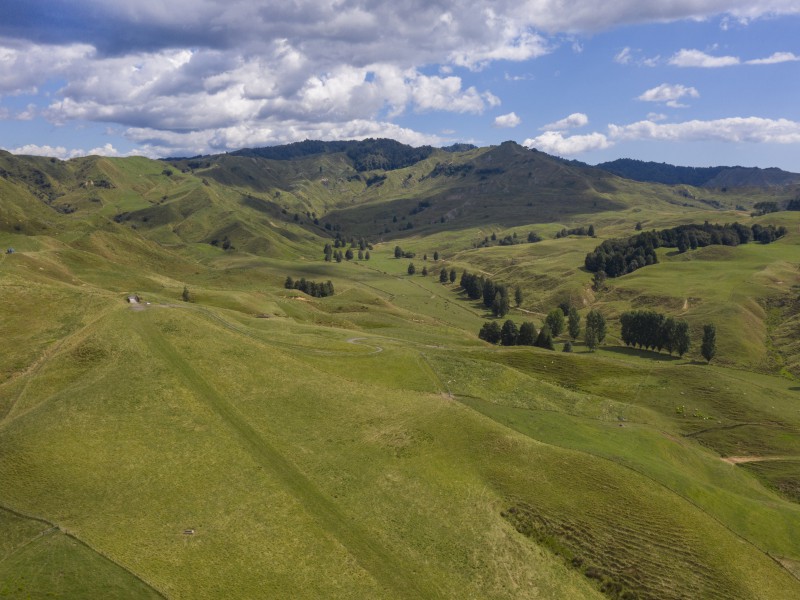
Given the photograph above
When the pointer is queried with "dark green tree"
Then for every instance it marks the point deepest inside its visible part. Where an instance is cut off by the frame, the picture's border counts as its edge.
(599, 281)
(443, 276)
(573, 323)
(709, 347)
(435, 255)
(398, 252)
(366, 255)
(555, 321)
(517, 296)
(453, 276)
(595, 329)
(500, 306)
(509, 333)
(424, 271)
(545, 338)
(411, 269)
(682, 341)
(527, 334)
(349, 254)
(360, 255)
(328, 252)
(490, 332)
(186, 296)
(591, 231)
(567, 346)
(289, 283)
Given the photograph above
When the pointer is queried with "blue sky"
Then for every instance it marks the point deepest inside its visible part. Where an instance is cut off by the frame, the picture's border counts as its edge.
(691, 82)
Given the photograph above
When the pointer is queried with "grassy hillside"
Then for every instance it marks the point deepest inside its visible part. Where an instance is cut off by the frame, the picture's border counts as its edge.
(257, 441)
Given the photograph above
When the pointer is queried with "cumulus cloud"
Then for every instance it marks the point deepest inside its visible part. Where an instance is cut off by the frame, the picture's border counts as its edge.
(509, 120)
(573, 121)
(220, 72)
(555, 142)
(65, 154)
(734, 130)
(669, 94)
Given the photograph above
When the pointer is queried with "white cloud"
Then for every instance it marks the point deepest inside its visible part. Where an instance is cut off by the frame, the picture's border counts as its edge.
(698, 58)
(656, 117)
(733, 130)
(624, 57)
(573, 121)
(509, 120)
(554, 142)
(669, 94)
(777, 57)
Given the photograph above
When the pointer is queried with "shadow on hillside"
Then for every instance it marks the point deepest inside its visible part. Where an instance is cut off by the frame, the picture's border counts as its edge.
(794, 389)
(652, 355)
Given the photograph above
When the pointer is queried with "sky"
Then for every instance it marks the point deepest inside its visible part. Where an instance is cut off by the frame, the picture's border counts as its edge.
(688, 82)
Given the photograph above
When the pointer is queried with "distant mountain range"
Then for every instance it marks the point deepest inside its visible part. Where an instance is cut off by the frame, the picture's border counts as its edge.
(707, 177)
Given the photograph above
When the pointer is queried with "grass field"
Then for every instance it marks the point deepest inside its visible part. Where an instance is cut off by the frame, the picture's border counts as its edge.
(258, 442)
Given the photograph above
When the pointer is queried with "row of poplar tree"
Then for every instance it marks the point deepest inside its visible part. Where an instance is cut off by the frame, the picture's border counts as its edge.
(555, 323)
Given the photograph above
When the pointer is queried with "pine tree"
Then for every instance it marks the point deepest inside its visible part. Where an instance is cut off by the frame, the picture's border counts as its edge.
(360, 255)
(573, 323)
(424, 271)
(517, 296)
(349, 254)
(595, 330)
(453, 275)
(289, 283)
(500, 305)
(490, 332)
(567, 346)
(366, 255)
(545, 338)
(527, 334)
(186, 296)
(509, 333)
(709, 347)
(436, 255)
(398, 252)
(555, 321)
(591, 231)
(411, 269)
(443, 276)
(682, 341)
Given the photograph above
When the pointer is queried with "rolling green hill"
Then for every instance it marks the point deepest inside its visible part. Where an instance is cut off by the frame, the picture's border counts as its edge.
(256, 441)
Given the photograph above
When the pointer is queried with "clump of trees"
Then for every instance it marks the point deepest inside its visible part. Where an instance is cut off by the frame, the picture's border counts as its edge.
(620, 256)
(312, 288)
(576, 231)
(495, 295)
(511, 335)
(400, 253)
(654, 331)
(510, 239)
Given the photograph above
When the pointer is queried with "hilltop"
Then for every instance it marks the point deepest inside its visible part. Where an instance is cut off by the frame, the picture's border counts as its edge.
(232, 434)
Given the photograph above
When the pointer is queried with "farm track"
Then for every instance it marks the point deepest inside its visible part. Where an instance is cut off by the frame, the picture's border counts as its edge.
(369, 554)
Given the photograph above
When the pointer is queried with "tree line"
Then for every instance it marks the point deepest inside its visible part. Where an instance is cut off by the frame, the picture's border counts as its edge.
(620, 256)
(554, 324)
(653, 331)
(312, 288)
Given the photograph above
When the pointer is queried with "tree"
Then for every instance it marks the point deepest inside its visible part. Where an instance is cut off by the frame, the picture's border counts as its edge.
(424, 257)
(366, 255)
(453, 275)
(411, 269)
(709, 347)
(338, 256)
(398, 252)
(591, 231)
(567, 346)
(186, 296)
(360, 255)
(443, 276)
(527, 334)
(328, 252)
(490, 332)
(288, 284)
(424, 271)
(509, 333)
(517, 296)
(489, 293)
(500, 306)
(682, 341)
(545, 338)
(595, 330)
(349, 254)
(573, 323)
(555, 321)
(436, 255)
(599, 281)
